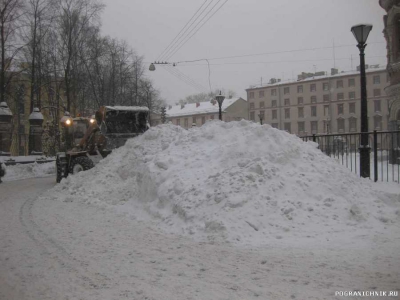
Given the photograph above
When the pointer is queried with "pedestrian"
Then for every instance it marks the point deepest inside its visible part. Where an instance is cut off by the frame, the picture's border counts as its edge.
(2, 171)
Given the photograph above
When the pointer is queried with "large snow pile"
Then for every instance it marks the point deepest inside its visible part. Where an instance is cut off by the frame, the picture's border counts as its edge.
(237, 182)
(24, 171)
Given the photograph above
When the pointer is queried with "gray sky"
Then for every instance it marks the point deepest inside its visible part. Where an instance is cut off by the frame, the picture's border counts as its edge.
(245, 27)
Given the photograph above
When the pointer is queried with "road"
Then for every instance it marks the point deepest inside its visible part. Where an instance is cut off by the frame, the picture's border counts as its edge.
(67, 250)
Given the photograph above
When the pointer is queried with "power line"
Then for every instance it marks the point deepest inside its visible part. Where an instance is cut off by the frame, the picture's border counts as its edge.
(160, 56)
(270, 62)
(184, 79)
(180, 73)
(278, 52)
(185, 41)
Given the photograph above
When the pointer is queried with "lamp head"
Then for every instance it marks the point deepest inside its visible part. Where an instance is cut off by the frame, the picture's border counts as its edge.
(152, 67)
(361, 32)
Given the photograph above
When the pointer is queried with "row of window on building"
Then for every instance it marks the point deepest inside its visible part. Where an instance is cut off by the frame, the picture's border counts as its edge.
(194, 120)
(314, 111)
(313, 87)
(340, 124)
(313, 99)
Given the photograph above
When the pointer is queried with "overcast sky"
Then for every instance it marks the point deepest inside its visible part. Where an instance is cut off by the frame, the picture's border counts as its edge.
(243, 28)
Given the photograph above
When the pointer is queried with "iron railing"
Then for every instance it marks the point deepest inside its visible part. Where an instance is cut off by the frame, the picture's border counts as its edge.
(384, 157)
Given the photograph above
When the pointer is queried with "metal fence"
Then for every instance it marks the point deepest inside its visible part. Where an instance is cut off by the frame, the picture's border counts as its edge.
(384, 157)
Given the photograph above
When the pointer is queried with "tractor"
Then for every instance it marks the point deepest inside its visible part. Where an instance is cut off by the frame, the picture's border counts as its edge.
(89, 140)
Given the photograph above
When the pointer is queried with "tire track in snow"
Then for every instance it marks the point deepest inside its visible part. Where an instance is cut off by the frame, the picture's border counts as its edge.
(55, 251)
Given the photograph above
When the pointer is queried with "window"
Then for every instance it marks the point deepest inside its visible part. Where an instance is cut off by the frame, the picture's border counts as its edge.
(273, 103)
(377, 105)
(212, 117)
(314, 127)
(274, 125)
(178, 121)
(287, 102)
(340, 110)
(300, 112)
(299, 88)
(288, 127)
(251, 105)
(262, 113)
(186, 122)
(313, 111)
(352, 95)
(326, 110)
(352, 82)
(287, 113)
(262, 104)
(251, 95)
(260, 94)
(353, 124)
(252, 118)
(286, 90)
(339, 84)
(300, 100)
(378, 122)
(194, 120)
(377, 79)
(274, 114)
(301, 126)
(313, 99)
(326, 98)
(340, 96)
(340, 125)
(377, 92)
(203, 120)
(352, 108)
(325, 86)
(313, 88)
(273, 92)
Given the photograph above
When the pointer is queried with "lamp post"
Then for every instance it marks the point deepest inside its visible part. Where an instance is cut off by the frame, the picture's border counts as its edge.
(220, 99)
(361, 33)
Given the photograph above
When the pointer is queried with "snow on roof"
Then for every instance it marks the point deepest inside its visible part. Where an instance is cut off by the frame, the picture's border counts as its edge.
(128, 108)
(4, 110)
(203, 108)
(291, 81)
(236, 182)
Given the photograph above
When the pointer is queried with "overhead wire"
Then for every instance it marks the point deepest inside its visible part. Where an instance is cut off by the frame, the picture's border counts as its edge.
(180, 45)
(167, 48)
(184, 79)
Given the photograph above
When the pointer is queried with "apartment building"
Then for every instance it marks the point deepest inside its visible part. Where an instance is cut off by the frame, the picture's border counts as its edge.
(197, 114)
(318, 103)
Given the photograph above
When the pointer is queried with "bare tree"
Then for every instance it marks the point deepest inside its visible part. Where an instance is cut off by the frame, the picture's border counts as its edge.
(11, 12)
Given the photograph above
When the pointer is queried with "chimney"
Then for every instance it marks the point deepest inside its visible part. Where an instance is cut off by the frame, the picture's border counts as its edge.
(334, 71)
(197, 104)
(213, 102)
(182, 106)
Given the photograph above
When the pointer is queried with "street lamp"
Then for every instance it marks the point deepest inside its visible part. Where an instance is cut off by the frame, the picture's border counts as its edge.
(220, 99)
(361, 33)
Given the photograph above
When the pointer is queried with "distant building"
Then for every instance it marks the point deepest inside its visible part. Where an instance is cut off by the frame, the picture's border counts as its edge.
(318, 103)
(392, 35)
(196, 114)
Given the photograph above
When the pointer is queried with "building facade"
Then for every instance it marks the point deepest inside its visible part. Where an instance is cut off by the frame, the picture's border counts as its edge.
(392, 35)
(320, 104)
(197, 114)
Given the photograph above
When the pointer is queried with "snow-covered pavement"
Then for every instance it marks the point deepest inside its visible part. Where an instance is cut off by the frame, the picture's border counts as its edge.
(69, 250)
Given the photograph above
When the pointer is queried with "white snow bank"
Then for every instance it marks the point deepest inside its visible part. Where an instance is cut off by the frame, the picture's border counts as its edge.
(24, 171)
(237, 182)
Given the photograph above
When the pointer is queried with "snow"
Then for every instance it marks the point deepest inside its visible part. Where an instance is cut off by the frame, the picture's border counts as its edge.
(204, 107)
(4, 110)
(32, 170)
(239, 183)
(224, 211)
(128, 108)
(36, 114)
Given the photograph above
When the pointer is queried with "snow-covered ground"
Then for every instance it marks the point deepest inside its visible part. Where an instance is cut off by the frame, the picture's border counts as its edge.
(224, 211)
(32, 170)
